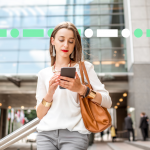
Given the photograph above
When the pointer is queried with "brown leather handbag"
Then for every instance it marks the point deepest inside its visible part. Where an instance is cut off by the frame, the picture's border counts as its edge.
(95, 117)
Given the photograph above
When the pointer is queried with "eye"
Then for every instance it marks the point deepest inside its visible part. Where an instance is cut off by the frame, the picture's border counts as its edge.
(62, 41)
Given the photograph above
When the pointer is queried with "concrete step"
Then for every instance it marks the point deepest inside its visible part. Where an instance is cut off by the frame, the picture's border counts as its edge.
(141, 144)
(122, 146)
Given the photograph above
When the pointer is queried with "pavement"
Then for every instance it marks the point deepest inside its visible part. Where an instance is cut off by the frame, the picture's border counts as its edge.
(99, 144)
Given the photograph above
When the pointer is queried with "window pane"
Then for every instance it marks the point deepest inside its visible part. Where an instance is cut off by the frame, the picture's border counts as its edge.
(58, 2)
(9, 44)
(60, 10)
(48, 64)
(35, 44)
(113, 54)
(48, 58)
(79, 21)
(11, 3)
(8, 68)
(35, 2)
(32, 55)
(6, 22)
(30, 68)
(34, 21)
(114, 66)
(8, 56)
(53, 21)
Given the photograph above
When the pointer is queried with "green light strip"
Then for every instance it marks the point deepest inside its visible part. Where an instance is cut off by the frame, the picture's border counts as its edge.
(3, 33)
(148, 33)
(33, 32)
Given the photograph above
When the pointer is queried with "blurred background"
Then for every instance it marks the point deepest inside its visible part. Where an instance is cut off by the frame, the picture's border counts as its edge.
(122, 64)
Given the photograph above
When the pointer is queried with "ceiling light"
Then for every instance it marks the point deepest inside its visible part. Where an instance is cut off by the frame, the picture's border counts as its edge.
(9, 107)
(117, 65)
(116, 107)
(96, 62)
(118, 103)
(124, 94)
(22, 107)
(121, 100)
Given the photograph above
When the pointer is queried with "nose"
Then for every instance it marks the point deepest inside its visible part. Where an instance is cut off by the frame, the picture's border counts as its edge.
(66, 44)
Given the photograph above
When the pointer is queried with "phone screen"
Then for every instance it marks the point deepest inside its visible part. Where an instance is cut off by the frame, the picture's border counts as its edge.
(67, 72)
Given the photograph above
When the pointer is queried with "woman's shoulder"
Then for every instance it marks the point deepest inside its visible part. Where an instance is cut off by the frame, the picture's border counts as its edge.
(88, 64)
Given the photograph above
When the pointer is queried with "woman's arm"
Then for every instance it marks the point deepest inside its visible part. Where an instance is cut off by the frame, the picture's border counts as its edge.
(41, 93)
(97, 98)
(102, 95)
(41, 109)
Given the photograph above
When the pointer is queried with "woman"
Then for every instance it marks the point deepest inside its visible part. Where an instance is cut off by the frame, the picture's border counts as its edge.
(61, 125)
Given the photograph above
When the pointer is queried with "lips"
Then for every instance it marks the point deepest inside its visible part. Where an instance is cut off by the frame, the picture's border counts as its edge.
(65, 50)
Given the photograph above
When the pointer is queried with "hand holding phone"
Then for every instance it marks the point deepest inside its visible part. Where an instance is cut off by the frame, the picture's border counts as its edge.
(67, 72)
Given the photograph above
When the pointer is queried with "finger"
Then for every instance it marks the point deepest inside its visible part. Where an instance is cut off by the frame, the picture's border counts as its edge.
(64, 83)
(66, 78)
(53, 80)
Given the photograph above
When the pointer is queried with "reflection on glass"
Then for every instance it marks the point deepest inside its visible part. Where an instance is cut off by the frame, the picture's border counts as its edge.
(100, 43)
(113, 66)
(10, 68)
(47, 55)
(34, 21)
(6, 22)
(9, 44)
(53, 21)
(32, 55)
(7, 56)
(113, 55)
(16, 22)
(48, 64)
(30, 68)
(98, 9)
(34, 44)
(63, 10)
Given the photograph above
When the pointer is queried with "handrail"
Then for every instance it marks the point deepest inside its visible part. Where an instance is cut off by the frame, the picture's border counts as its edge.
(19, 134)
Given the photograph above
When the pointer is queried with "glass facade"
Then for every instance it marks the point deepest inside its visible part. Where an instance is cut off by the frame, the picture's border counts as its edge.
(29, 55)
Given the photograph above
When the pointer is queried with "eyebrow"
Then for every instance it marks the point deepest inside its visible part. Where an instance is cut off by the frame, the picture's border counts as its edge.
(69, 38)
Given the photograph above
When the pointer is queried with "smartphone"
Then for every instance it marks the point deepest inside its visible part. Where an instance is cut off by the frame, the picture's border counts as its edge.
(67, 72)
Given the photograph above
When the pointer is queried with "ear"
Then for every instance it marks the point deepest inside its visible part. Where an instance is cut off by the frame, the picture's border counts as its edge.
(52, 41)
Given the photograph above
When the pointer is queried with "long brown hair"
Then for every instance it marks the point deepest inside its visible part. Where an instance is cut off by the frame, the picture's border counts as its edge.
(78, 46)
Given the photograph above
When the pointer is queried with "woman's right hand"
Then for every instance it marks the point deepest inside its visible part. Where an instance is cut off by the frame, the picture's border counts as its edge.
(53, 84)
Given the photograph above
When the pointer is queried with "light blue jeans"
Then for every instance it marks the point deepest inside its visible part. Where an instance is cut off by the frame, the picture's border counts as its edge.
(62, 139)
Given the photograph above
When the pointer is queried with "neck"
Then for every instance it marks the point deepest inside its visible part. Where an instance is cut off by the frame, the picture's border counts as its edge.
(62, 62)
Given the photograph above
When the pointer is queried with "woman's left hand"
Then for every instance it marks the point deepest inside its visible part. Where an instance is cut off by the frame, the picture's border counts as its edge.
(71, 84)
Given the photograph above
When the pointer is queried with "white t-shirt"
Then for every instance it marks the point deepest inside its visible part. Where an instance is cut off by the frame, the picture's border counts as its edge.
(65, 111)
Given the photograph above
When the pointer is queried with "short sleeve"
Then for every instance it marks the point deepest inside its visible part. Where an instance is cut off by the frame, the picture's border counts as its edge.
(40, 90)
(97, 85)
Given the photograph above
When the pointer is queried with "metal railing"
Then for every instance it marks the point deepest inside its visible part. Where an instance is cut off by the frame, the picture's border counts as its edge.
(19, 134)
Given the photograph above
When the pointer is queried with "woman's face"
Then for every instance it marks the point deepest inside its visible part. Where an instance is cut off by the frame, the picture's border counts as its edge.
(64, 40)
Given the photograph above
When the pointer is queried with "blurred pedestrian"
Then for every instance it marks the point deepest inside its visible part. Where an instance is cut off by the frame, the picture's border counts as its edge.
(101, 134)
(143, 125)
(128, 126)
(147, 128)
(108, 131)
(113, 133)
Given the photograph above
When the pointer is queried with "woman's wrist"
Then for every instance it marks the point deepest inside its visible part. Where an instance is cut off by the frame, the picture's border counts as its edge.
(82, 90)
(48, 97)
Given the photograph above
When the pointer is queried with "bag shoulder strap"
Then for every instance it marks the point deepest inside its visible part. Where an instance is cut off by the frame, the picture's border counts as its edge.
(81, 72)
(83, 68)
(86, 75)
